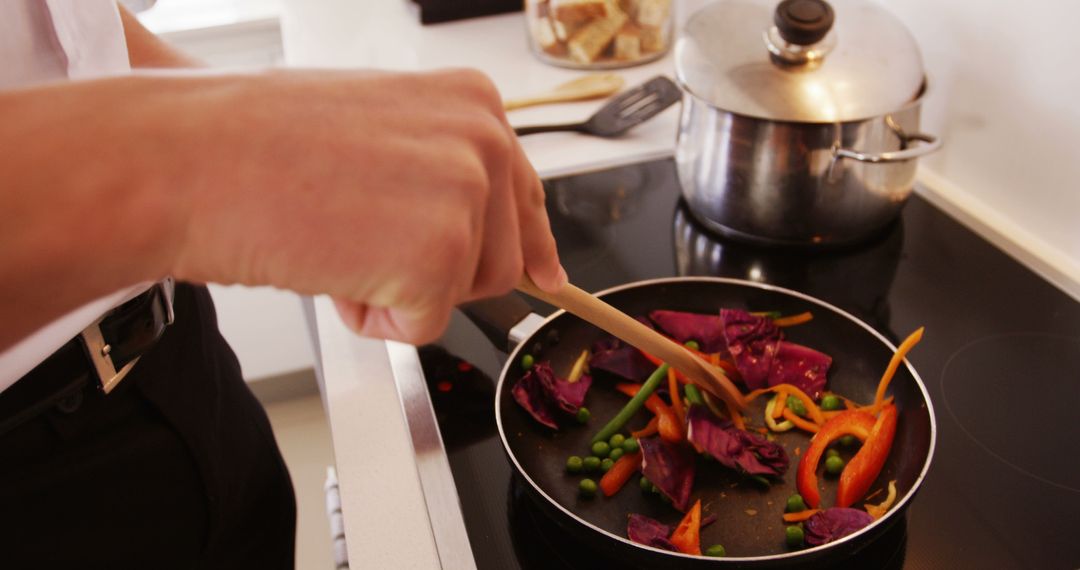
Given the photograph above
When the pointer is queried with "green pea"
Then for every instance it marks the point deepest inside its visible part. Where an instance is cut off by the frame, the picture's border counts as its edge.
(692, 344)
(848, 441)
(616, 440)
(654, 488)
(834, 465)
(606, 464)
(616, 453)
(831, 452)
(831, 403)
(716, 551)
(583, 415)
(761, 481)
(590, 463)
(601, 449)
(645, 484)
(587, 488)
(630, 445)
(574, 464)
(794, 535)
(795, 504)
(796, 406)
(527, 361)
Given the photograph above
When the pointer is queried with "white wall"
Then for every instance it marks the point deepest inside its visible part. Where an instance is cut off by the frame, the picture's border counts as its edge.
(1006, 99)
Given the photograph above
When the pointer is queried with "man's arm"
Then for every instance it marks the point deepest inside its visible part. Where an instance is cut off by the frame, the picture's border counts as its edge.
(401, 195)
(146, 49)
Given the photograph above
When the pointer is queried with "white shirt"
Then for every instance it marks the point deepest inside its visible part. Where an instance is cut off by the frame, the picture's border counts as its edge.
(54, 40)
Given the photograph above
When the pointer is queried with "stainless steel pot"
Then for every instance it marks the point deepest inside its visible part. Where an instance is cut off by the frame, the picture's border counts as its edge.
(801, 128)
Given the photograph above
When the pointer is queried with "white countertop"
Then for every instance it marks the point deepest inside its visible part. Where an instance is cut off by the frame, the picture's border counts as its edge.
(386, 34)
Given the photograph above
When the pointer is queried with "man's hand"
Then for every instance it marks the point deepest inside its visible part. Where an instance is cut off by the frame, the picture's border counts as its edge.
(401, 195)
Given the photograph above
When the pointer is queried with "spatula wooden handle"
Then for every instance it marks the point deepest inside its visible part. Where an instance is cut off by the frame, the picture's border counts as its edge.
(604, 316)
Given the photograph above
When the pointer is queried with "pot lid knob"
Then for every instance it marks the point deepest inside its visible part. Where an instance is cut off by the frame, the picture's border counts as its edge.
(803, 22)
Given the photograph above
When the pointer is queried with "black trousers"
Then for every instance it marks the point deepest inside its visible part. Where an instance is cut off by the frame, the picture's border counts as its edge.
(177, 468)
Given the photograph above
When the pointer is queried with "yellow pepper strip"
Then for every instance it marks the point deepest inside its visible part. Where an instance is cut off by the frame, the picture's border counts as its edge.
(771, 422)
(581, 365)
(878, 511)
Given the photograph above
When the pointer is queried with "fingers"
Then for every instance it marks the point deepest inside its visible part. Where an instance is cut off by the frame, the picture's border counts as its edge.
(541, 257)
(413, 326)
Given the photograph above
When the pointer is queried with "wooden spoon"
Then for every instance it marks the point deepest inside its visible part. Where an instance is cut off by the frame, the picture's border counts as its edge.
(593, 310)
(589, 87)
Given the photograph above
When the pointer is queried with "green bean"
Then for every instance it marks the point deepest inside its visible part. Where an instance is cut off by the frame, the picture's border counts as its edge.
(693, 394)
(632, 406)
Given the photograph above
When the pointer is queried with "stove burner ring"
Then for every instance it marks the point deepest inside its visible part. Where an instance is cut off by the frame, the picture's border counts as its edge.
(1007, 391)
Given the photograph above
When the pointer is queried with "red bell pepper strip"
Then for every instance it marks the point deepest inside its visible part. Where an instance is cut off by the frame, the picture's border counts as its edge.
(649, 429)
(620, 473)
(850, 422)
(859, 473)
(687, 536)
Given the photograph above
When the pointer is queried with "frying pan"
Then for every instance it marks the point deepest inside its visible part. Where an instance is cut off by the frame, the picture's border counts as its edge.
(748, 522)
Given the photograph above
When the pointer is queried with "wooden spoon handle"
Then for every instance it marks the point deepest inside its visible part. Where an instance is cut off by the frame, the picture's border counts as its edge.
(608, 318)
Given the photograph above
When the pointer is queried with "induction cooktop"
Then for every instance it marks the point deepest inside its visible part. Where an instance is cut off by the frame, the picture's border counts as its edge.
(1001, 361)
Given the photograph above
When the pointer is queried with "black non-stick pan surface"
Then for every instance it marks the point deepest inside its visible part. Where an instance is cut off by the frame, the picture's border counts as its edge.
(749, 523)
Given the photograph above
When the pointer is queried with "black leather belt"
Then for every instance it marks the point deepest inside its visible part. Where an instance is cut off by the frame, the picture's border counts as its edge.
(102, 354)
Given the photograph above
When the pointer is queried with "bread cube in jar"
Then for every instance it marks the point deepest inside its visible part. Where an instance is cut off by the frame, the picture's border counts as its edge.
(599, 34)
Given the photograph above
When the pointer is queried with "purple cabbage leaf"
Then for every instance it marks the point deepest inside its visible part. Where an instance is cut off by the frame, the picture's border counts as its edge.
(650, 532)
(707, 330)
(670, 467)
(543, 395)
(835, 523)
(802, 367)
(616, 357)
(752, 342)
(743, 451)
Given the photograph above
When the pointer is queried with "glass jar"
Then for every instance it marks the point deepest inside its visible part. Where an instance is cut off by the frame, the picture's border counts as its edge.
(599, 34)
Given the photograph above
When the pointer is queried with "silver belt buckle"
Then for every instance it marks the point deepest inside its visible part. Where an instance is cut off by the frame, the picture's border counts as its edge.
(99, 351)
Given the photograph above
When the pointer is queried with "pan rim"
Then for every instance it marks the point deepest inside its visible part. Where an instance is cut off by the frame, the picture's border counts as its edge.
(900, 505)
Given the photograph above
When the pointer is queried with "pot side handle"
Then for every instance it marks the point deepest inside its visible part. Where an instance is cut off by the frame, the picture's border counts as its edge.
(933, 143)
(505, 320)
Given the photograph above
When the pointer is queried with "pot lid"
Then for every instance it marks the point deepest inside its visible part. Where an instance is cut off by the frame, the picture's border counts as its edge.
(799, 60)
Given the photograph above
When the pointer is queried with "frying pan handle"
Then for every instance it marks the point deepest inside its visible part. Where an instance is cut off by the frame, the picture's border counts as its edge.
(499, 317)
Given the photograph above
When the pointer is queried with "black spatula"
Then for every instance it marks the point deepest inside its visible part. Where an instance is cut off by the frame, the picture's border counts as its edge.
(624, 111)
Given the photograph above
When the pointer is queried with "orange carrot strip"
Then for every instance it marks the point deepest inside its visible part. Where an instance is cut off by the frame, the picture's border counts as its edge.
(781, 402)
(650, 429)
(894, 363)
(667, 424)
(794, 319)
(812, 409)
(676, 399)
(736, 417)
(799, 422)
(620, 473)
(800, 516)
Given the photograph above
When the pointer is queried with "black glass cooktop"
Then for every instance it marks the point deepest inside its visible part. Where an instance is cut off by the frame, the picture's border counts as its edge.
(1001, 361)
